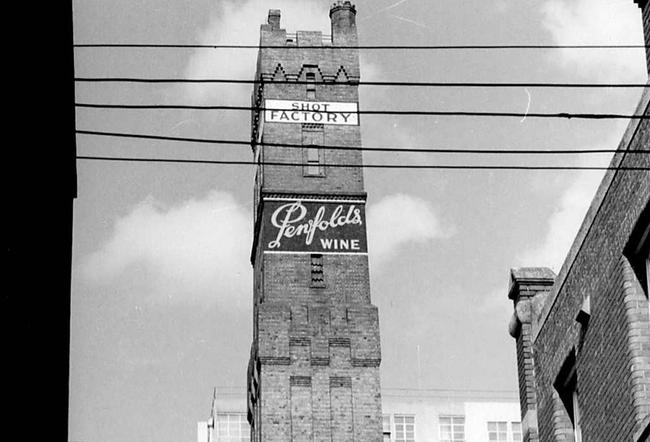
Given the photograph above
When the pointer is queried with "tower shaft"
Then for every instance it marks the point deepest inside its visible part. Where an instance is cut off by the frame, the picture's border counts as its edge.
(314, 367)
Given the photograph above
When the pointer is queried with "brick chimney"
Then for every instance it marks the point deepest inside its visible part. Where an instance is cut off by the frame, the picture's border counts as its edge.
(529, 287)
(344, 23)
(274, 19)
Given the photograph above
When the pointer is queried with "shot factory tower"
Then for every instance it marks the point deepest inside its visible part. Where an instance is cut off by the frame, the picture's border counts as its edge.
(313, 373)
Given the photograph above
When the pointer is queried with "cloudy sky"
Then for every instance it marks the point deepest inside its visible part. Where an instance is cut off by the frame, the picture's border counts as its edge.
(161, 302)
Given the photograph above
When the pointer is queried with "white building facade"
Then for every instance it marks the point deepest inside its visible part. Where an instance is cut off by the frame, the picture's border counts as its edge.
(450, 416)
(408, 416)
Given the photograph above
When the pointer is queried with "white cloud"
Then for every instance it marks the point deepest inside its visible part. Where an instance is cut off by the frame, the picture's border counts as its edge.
(564, 223)
(239, 23)
(197, 251)
(397, 220)
(583, 22)
(566, 219)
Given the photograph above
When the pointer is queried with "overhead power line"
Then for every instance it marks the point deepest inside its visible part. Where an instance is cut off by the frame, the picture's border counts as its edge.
(367, 149)
(590, 116)
(361, 47)
(357, 83)
(367, 166)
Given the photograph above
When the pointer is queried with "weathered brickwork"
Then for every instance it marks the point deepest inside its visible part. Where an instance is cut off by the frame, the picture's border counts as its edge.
(529, 288)
(314, 368)
(595, 316)
(589, 343)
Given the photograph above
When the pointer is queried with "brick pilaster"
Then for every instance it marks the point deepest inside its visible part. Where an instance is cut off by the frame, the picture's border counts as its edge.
(638, 339)
(528, 290)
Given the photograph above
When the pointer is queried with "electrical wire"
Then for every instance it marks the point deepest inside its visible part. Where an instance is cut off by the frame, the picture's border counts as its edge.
(366, 149)
(366, 166)
(589, 116)
(357, 83)
(359, 47)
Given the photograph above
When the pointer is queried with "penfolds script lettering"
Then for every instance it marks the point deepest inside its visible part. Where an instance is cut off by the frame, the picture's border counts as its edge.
(292, 220)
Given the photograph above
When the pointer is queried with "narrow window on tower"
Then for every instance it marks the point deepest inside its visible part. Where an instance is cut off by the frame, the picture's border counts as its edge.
(312, 139)
(310, 77)
(313, 161)
(317, 276)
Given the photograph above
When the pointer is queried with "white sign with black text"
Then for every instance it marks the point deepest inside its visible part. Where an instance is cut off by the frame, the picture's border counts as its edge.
(319, 112)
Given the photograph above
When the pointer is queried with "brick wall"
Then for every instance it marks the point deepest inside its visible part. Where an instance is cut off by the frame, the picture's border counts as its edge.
(612, 349)
(316, 348)
(338, 66)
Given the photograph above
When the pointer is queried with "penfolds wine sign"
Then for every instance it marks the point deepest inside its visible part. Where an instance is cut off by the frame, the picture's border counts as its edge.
(311, 226)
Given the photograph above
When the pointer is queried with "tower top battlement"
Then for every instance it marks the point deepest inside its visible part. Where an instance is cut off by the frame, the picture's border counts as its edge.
(343, 28)
(343, 5)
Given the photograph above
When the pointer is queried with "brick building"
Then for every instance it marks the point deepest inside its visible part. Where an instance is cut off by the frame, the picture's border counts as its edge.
(314, 366)
(583, 336)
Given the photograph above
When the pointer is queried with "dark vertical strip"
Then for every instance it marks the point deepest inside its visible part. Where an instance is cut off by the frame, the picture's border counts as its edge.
(39, 191)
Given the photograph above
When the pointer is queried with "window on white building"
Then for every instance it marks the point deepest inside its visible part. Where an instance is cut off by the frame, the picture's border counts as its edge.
(385, 424)
(232, 427)
(504, 432)
(517, 435)
(404, 428)
(452, 428)
(498, 431)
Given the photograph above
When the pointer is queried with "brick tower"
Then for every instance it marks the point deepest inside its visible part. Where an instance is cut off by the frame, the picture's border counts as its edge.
(313, 373)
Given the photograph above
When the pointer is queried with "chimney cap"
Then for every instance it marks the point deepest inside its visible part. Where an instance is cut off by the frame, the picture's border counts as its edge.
(343, 4)
(539, 276)
(274, 19)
